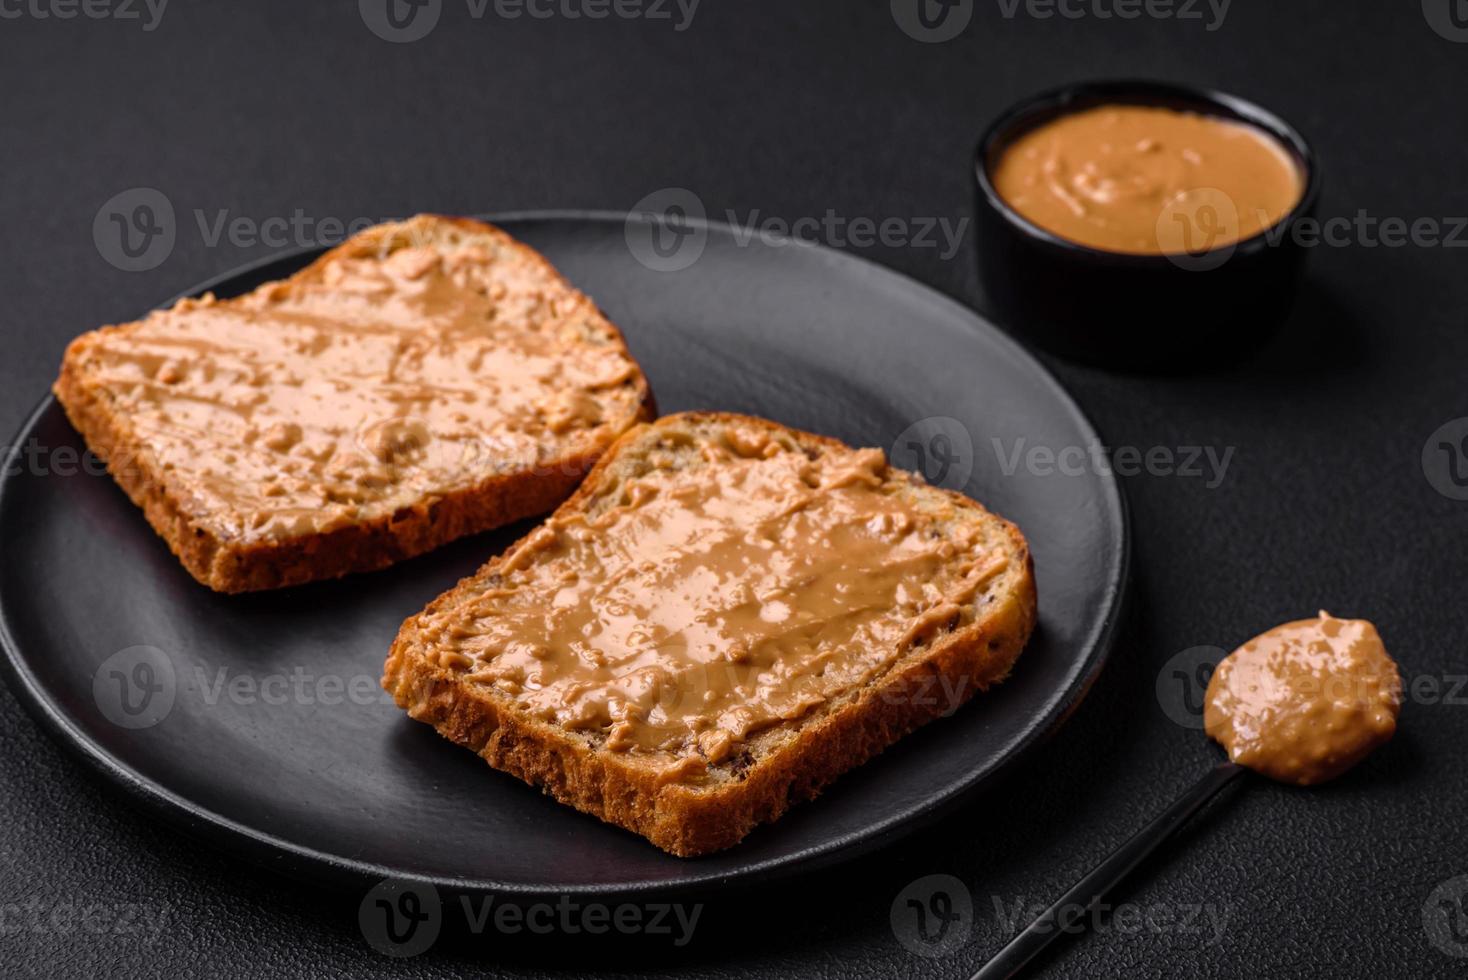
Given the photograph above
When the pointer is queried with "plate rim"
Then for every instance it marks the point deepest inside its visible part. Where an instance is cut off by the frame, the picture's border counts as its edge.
(310, 864)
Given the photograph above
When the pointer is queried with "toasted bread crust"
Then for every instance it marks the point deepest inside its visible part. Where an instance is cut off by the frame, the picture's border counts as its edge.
(689, 820)
(232, 566)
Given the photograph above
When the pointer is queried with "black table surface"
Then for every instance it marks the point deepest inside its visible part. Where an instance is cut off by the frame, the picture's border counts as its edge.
(790, 110)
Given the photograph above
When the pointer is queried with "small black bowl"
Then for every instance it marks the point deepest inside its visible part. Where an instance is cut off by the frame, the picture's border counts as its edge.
(1172, 312)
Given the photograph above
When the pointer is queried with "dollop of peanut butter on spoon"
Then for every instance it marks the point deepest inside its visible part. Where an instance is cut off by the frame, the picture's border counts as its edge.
(1305, 701)
(1301, 703)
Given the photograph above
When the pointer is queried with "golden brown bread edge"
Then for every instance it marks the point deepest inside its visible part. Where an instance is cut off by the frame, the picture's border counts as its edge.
(233, 567)
(689, 820)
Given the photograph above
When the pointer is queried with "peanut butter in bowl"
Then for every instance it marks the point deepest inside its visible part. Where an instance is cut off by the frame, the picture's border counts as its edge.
(1305, 701)
(1148, 180)
(1142, 225)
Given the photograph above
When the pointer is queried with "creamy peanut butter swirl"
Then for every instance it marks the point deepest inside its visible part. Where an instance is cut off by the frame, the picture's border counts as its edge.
(366, 383)
(1305, 701)
(712, 602)
(1148, 180)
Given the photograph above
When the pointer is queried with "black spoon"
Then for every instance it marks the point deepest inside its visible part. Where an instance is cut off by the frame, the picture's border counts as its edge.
(1278, 682)
(1084, 895)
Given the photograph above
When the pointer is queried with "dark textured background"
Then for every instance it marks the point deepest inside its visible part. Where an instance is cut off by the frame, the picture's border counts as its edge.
(794, 108)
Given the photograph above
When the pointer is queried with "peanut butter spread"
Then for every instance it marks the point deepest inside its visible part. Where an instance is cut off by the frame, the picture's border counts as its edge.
(1305, 701)
(1148, 180)
(710, 601)
(366, 383)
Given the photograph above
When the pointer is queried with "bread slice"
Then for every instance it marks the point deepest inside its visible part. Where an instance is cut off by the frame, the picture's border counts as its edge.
(724, 618)
(425, 380)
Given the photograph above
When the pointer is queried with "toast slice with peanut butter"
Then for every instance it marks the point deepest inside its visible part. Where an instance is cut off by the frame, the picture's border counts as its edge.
(724, 618)
(425, 380)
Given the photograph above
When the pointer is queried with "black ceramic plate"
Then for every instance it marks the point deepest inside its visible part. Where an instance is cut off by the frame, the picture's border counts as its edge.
(256, 720)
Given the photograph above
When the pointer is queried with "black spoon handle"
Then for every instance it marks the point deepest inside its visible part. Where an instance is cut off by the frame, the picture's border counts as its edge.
(1075, 904)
